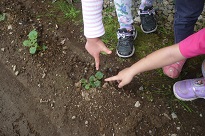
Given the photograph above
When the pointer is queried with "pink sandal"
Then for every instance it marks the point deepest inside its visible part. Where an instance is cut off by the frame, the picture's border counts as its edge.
(173, 70)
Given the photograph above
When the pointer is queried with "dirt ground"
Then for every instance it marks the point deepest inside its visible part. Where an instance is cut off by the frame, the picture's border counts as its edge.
(40, 95)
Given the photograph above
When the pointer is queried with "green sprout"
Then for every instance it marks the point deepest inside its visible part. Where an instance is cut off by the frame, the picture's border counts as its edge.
(93, 82)
(32, 42)
(2, 17)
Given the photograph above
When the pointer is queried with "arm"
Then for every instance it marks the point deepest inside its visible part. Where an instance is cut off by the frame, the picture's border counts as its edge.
(93, 28)
(157, 59)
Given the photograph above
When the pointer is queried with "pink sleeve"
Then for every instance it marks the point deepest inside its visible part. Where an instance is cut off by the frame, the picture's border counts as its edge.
(92, 18)
(193, 45)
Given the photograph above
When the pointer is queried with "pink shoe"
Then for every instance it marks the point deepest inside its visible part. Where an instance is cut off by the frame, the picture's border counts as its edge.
(190, 89)
(173, 70)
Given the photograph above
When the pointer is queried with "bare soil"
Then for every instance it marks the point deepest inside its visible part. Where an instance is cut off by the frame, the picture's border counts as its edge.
(40, 94)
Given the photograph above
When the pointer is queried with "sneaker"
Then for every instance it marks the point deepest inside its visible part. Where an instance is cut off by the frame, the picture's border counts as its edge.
(190, 89)
(174, 70)
(125, 45)
(148, 21)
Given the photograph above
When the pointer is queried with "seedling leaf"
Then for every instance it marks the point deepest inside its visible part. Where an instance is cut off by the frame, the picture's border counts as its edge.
(2, 17)
(87, 87)
(33, 34)
(99, 75)
(91, 79)
(27, 43)
(44, 47)
(97, 83)
(32, 50)
(83, 81)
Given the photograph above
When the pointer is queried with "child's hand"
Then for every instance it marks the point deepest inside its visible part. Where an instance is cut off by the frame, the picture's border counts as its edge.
(123, 77)
(94, 46)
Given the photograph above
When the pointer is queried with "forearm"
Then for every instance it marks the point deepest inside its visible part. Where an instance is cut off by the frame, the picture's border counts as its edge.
(92, 18)
(158, 59)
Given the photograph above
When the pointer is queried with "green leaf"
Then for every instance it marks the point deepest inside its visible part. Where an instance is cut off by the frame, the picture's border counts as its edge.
(97, 83)
(32, 50)
(33, 34)
(92, 84)
(87, 87)
(92, 79)
(44, 47)
(83, 81)
(27, 43)
(2, 17)
(99, 75)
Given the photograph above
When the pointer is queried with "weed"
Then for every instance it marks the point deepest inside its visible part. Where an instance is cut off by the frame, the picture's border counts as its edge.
(32, 42)
(68, 10)
(2, 17)
(93, 82)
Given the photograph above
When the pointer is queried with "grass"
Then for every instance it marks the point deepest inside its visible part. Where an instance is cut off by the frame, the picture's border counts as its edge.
(62, 11)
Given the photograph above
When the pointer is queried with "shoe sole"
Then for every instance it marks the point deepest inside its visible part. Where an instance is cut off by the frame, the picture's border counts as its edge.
(180, 98)
(147, 32)
(133, 51)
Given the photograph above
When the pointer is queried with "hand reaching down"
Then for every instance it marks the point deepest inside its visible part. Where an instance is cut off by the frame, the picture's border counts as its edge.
(94, 46)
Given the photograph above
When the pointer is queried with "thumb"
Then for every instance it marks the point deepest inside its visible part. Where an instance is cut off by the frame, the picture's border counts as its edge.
(121, 84)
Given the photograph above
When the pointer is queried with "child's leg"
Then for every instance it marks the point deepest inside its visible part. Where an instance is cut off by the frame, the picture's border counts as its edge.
(186, 15)
(146, 3)
(123, 10)
(146, 12)
(126, 34)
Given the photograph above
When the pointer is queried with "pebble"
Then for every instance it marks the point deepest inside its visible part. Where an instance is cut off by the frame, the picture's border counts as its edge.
(73, 117)
(174, 116)
(16, 73)
(2, 49)
(137, 104)
(9, 27)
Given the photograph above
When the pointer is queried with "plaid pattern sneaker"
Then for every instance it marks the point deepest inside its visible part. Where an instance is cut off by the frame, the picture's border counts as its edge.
(148, 21)
(125, 45)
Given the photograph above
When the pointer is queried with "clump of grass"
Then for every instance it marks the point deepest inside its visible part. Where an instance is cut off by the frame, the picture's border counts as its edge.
(111, 25)
(69, 11)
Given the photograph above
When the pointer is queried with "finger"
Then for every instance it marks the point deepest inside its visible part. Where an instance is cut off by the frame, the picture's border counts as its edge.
(97, 61)
(107, 50)
(112, 78)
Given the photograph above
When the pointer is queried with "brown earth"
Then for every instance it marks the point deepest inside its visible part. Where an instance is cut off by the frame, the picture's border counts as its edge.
(44, 99)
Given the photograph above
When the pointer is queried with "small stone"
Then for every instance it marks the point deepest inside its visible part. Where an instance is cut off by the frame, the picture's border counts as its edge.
(14, 68)
(174, 116)
(137, 104)
(178, 128)
(63, 41)
(141, 88)
(200, 115)
(16, 73)
(86, 122)
(2, 49)
(9, 27)
(43, 76)
(73, 117)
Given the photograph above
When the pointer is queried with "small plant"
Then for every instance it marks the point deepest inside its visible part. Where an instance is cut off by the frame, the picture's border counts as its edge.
(2, 17)
(93, 82)
(32, 42)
